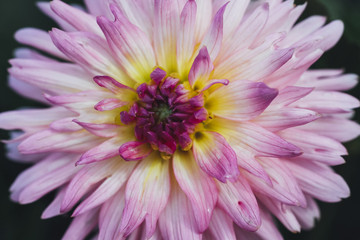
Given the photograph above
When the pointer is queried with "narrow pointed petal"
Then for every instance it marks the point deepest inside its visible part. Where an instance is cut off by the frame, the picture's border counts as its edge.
(198, 187)
(49, 140)
(200, 70)
(51, 77)
(89, 51)
(286, 118)
(264, 142)
(214, 36)
(129, 44)
(103, 151)
(109, 104)
(186, 40)
(221, 226)
(282, 212)
(307, 216)
(110, 216)
(324, 185)
(175, 226)
(133, 151)
(54, 208)
(38, 39)
(80, 20)
(81, 226)
(166, 29)
(238, 200)
(284, 187)
(107, 189)
(30, 119)
(100, 130)
(215, 156)
(340, 129)
(146, 195)
(240, 100)
(84, 181)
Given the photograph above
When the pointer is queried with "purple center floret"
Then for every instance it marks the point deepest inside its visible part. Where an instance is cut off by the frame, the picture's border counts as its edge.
(165, 114)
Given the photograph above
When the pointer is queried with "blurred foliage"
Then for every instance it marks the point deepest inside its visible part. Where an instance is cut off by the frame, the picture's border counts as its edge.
(18, 222)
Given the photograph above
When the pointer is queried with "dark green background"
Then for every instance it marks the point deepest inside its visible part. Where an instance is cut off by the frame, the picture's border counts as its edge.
(338, 221)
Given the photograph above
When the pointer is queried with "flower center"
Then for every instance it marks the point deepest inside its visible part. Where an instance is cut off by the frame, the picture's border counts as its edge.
(165, 115)
(162, 112)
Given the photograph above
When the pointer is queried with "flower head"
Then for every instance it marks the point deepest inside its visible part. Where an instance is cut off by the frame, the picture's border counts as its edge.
(180, 119)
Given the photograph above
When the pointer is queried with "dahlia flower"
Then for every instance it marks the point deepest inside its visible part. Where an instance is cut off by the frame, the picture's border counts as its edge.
(180, 119)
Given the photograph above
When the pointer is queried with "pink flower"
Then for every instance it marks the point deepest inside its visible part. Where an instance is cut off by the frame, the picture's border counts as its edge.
(180, 119)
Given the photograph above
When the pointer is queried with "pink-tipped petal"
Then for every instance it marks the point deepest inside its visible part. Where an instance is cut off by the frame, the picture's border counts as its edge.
(200, 70)
(82, 225)
(132, 151)
(146, 195)
(214, 36)
(240, 100)
(215, 156)
(239, 202)
(221, 226)
(131, 47)
(198, 187)
(177, 226)
(75, 17)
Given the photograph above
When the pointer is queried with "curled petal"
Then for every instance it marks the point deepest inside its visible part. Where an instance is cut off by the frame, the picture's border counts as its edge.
(199, 188)
(146, 195)
(132, 151)
(240, 100)
(215, 156)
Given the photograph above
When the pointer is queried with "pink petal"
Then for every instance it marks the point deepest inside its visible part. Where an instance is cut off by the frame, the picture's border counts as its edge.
(198, 187)
(291, 94)
(178, 226)
(319, 180)
(284, 187)
(54, 208)
(340, 129)
(46, 183)
(26, 90)
(106, 150)
(186, 39)
(26, 120)
(110, 216)
(221, 225)
(146, 195)
(82, 225)
(111, 84)
(65, 125)
(215, 156)
(109, 104)
(200, 70)
(286, 118)
(107, 189)
(237, 199)
(166, 29)
(100, 130)
(240, 100)
(45, 8)
(51, 77)
(84, 181)
(307, 216)
(89, 51)
(233, 16)
(282, 212)
(214, 36)
(80, 20)
(129, 44)
(264, 142)
(38, 39)
(49, 140)
(132, 151)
